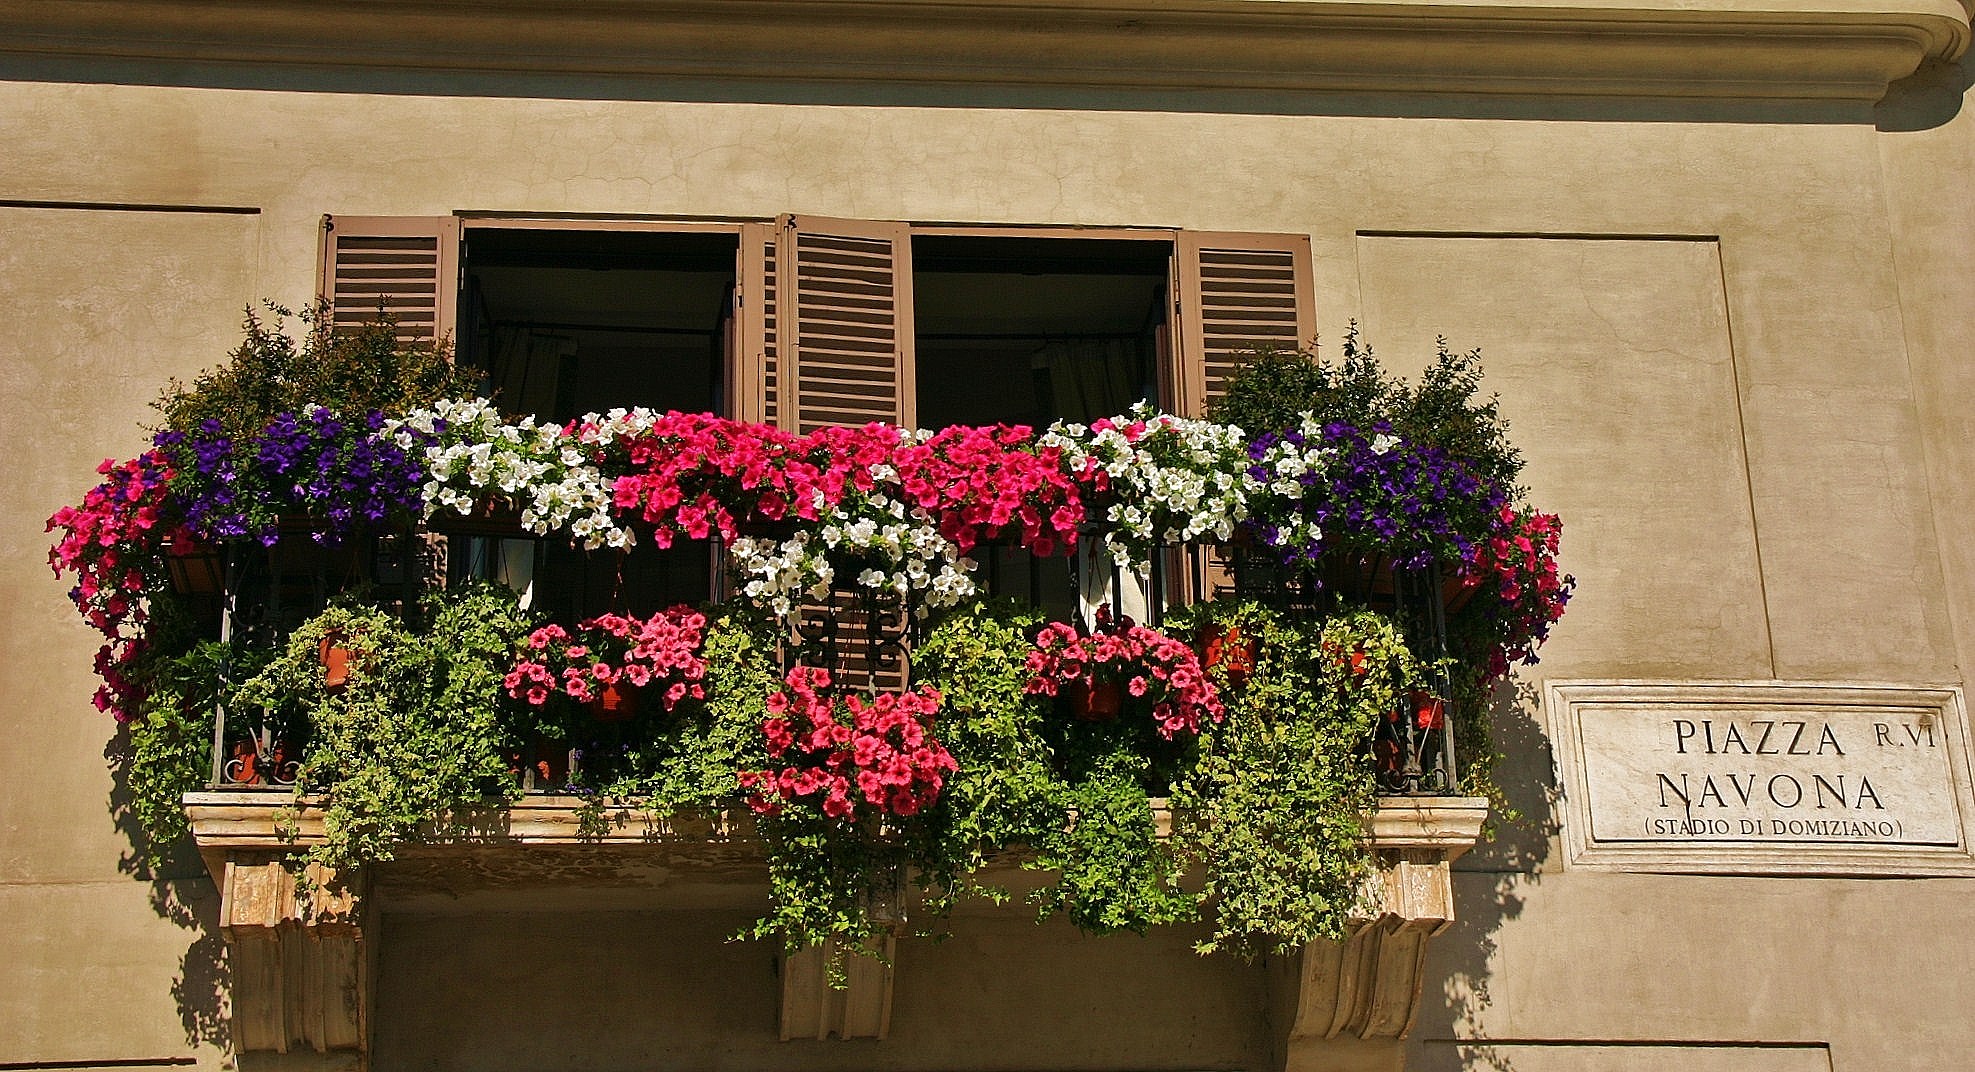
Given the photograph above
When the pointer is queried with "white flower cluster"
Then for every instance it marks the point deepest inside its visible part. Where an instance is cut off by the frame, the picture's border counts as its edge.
(901, 551)
(1176, 481)
(476, 455)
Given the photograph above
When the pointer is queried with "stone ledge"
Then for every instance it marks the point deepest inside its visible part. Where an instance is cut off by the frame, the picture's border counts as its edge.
(1713, 49)
(245, 820)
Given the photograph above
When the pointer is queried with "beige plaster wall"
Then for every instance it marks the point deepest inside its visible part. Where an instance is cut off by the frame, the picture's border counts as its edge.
(96, 308)
(1736, 352)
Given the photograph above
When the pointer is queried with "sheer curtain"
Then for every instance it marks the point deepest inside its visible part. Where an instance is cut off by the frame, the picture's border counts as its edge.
(1091, 378)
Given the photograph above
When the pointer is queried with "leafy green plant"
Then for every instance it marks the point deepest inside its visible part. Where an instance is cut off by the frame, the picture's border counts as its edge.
(1273, 388)
(171, 739)
(1077, 796)
(349, 369)
(419, 733)
(1275, 807)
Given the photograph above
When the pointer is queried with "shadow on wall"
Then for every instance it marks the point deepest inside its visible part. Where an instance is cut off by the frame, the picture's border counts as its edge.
(1487, 882)
(183, 894)
(1928, 98)
(1932, 106)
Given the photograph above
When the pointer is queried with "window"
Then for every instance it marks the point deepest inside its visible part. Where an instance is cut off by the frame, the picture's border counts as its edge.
(811, 321)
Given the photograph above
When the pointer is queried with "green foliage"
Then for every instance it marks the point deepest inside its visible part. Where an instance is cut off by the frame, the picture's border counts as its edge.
(171, 738)
(419, 733)
(1275, 806)
(1274, 387)
(1003, 793)
(1077, 794)
(350, 370)
(687, 758)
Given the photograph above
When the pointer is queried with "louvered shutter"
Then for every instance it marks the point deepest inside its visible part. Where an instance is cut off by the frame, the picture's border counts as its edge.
(1238, 292)
(407, 266)
(759, 385)
(845, 339)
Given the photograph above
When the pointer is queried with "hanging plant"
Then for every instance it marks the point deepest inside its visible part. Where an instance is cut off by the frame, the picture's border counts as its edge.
(1274, 809)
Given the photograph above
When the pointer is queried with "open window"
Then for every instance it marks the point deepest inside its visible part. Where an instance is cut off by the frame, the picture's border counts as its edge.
(1031, 330)
(811, 321)
(563, 322)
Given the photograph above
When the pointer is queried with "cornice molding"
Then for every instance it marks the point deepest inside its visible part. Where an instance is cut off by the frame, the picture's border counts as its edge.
(1771, 50)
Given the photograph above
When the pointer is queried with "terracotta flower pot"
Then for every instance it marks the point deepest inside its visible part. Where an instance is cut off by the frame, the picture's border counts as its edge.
(615, 703)
(1429, 711)
(1231, 649)
(195, 568)
(243, 768)
(336, 659)
(1095, 701)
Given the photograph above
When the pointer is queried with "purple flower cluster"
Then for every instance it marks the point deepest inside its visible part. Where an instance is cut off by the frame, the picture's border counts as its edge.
(1372, 491)
(341, 474)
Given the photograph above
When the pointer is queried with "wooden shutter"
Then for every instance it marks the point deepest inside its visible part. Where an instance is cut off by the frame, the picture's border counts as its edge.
(1238, 292)
(407, 266)
(845, 305)
(758, 392)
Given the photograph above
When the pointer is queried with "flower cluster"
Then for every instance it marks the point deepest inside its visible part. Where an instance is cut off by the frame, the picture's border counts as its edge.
(662, 653)
(1156, 671)
(1333, 486)
(1163, 479)
(849, 756)
(986, 484)
(690, 473)
(881, 545)
(342, 474)
(473, 458)
(1517, 565)
(114, 543)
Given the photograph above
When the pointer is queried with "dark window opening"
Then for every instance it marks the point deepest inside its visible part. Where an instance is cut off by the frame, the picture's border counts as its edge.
(1029, 330)
(566, 322)
(1032, 330)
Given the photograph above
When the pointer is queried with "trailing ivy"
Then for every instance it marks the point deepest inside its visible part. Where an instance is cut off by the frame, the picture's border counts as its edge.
(1275, 807)
(420, 733)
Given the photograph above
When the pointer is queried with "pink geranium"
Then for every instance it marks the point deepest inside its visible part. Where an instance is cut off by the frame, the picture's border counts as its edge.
(1161, 673)
(663, 651)
(849, 756)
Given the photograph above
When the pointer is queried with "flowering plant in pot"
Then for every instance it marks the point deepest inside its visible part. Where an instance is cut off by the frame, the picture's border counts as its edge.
(1519, 591)
(479, 463)
(114, 543)
(1158, 479)
(1150, 671)
(849, 757)
(420, 731)
(1273, 809)
(1336, 487)
(868, 539)
(342, 475)
(612, 659)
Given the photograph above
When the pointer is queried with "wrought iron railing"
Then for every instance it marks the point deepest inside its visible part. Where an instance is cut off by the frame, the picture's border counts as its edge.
(863, 637)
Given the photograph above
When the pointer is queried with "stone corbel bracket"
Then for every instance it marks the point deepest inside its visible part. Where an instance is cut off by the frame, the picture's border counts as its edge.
(300, 964)
(1356, 999)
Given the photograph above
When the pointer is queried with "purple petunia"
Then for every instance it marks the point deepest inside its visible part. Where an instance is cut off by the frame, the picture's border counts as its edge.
(342, 475)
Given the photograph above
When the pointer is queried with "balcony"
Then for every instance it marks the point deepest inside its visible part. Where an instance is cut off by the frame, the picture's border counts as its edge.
(302, 981)
(1140, 671)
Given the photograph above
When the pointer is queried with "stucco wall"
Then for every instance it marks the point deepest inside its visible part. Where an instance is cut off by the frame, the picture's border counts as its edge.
(1736, 350)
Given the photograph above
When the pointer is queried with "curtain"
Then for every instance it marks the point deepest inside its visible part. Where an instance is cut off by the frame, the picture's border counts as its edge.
(527, 369)
(1091, 378)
